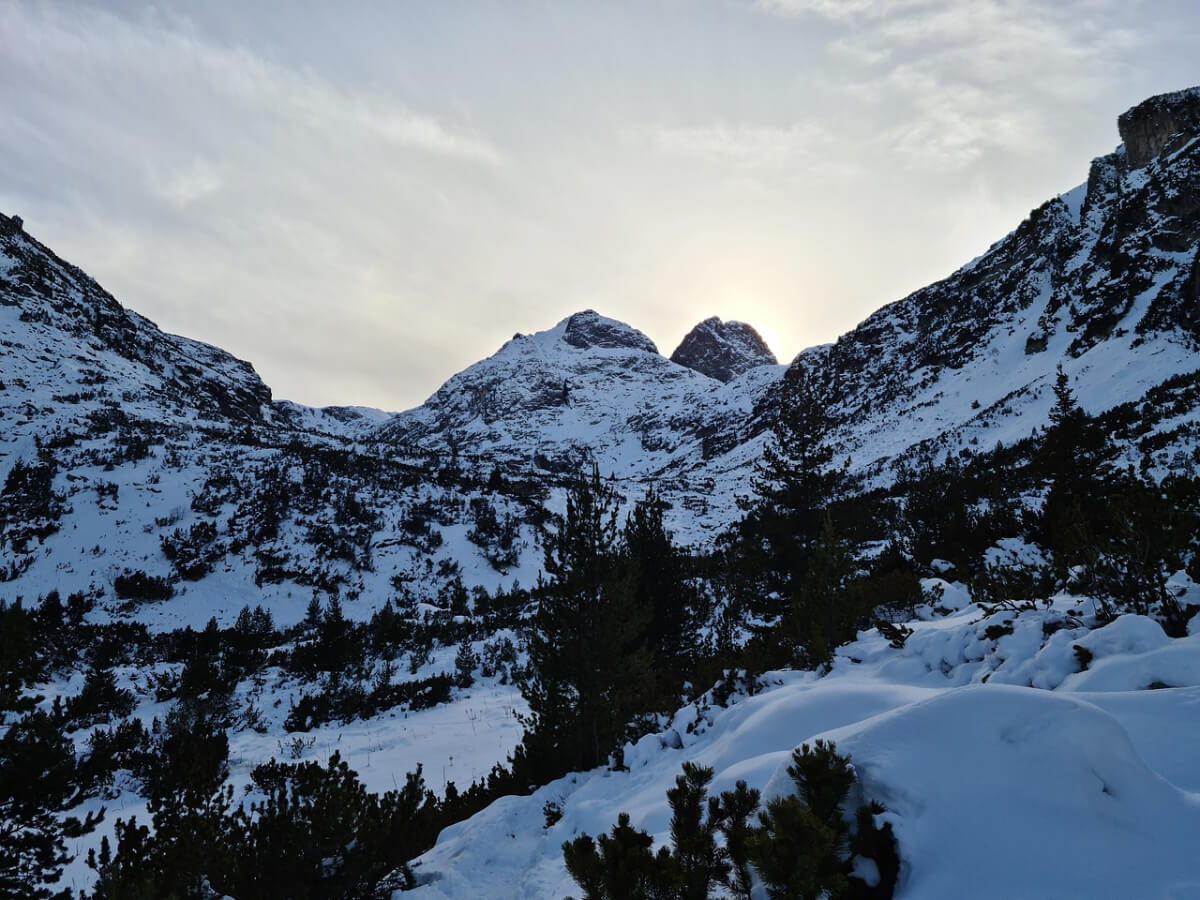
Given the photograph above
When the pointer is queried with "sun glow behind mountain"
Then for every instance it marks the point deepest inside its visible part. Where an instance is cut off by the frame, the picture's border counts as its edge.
(373, 197)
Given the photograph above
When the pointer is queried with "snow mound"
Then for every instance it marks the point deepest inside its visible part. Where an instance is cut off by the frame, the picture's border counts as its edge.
(1015, 792)
(994, 789)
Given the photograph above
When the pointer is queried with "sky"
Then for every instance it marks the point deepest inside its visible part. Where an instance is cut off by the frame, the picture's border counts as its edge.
(362, 199)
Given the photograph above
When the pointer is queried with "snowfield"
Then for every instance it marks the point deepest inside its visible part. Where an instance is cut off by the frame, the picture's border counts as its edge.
(1006, 771)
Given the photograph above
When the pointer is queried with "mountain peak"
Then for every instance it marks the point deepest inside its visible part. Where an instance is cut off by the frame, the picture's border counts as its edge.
(590, 329)
(11, 224)
(1147, 128)
(723, 350)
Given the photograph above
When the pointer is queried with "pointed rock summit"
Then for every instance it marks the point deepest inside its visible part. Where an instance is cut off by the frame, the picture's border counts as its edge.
(723, 350)
(590, 329)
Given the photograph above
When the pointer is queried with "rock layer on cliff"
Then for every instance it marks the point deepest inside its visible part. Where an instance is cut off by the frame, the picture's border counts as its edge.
(1148, 127)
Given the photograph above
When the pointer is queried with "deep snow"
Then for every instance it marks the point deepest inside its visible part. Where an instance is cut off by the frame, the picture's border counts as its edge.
(1082, 786)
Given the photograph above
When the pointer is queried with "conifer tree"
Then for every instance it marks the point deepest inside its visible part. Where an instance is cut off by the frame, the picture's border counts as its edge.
(38, 782)
(1073, 446)
(335, 638)
(732, 812)
(798, 849)
(660, 586)
(20, 660)
(586, 651)
(698, 861)
(824, 605)
(620, 865)
(793, 481)
(1074, 459)
(793, 486)
(937, 518)
(795, 853)
(205, 677)
(319, 833)
(192, 842)
(312, 615)
(1125, 564)
(878, 844)
(803, 847)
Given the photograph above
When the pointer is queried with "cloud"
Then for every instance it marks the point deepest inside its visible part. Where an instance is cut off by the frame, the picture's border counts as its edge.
(233, 197)
(166, 66)
(837, 10)
(953, 82)
(183, 186)
(739, 145)
(363, 200)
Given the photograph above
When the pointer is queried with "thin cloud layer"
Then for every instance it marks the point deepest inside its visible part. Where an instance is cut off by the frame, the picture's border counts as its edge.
(742, 145)
(363, 201)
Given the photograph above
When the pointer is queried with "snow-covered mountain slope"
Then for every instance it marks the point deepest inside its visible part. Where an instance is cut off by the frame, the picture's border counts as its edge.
(148, 433)
(70, 347)
(144, 438)
(592, 389)
(1005, 770)
(1104, 280)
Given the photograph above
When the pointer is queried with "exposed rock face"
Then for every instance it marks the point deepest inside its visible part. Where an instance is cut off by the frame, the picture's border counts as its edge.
(723, 350)
(590, 329)
(1148, 127)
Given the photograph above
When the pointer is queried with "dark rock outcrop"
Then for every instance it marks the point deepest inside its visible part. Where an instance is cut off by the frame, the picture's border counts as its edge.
(1147, 128)
(590, 329)
(723, 350)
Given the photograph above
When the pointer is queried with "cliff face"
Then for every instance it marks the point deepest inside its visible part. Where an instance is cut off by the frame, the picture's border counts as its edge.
(1147, 128)
(590, 329)
(723, 350)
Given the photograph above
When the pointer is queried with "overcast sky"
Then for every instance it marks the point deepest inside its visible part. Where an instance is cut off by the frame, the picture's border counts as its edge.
(364, 198)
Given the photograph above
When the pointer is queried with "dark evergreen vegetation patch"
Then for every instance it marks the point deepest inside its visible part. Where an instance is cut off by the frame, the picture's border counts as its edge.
(307, 831)
(804, 846)
(139, 586)
(604, 642)
(30, 510)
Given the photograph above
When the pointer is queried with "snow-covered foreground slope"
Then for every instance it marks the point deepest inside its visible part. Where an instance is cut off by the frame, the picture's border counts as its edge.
(1006, 772)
